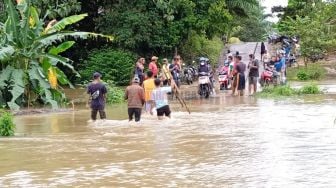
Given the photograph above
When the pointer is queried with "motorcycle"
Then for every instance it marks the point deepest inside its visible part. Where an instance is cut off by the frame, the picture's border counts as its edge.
(223, 79)
(204, 85)
(269, 76)
(188, 75)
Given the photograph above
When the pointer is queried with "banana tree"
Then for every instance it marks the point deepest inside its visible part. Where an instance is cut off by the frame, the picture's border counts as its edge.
(29, 57)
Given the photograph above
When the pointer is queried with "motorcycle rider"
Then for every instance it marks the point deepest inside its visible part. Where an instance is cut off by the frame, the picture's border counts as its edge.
(204, 69)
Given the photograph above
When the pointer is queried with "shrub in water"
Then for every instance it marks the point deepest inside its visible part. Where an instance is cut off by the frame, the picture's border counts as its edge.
(285, 90)
(115, 94)
(310, 89)
(7, 126)
(302, 75)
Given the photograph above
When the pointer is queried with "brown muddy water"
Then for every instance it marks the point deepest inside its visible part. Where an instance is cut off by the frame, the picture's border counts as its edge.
(225, 142)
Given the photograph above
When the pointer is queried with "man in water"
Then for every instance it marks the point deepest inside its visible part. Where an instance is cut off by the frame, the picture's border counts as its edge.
(135, 97)
(240, 69)
(97, 91)
(148, 86)
(253, 74)
(160, 99)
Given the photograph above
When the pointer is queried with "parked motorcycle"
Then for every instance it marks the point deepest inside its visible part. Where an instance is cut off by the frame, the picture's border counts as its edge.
(188, 75)
(204, 85)
(223, 79)
(269, 76)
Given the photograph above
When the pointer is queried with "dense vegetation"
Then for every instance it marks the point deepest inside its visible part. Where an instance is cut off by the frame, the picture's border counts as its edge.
(7, 126)
(38, 39)
(30, 48)
(314, 22)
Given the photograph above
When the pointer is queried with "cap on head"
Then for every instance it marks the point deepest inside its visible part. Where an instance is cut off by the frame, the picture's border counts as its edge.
(136, 80)
(154, 58)
(96, 75)
(165, 60)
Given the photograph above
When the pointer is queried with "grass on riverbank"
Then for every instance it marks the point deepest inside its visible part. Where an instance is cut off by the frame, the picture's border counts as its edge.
(313, 71)
(287, 91)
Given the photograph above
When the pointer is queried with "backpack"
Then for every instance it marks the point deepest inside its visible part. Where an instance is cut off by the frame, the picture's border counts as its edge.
(95, 95)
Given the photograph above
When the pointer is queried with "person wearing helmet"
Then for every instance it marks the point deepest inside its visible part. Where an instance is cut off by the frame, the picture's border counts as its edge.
(203, 66)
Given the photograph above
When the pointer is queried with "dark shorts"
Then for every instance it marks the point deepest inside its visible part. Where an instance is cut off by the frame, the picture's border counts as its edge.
(136, 112)
(253, 80)
(241, 83)
(163, 111)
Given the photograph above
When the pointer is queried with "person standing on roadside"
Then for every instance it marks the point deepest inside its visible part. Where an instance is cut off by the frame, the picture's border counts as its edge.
(175, 69)
(139, 70)
(240, 68)
(253, 74)
(166, 76)
(148, 86)
(97, 91)
(153, 66)
(135, 97)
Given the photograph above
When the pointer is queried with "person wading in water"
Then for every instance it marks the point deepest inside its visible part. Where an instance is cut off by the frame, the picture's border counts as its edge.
(253, 74)
(135, 97)
(148, 86)
(159, 99)
(97, 91)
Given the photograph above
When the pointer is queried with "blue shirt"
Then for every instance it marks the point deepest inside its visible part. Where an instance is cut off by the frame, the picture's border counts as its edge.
(159, 96)
(283, 62)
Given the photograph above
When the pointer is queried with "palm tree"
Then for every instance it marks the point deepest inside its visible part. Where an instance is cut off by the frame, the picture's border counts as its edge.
(29, 58)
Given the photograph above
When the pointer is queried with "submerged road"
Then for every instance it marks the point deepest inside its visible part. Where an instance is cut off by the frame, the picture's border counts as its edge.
(226, 142)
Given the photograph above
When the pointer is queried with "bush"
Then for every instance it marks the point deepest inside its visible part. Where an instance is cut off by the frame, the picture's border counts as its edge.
(7, 126)
(115, 94)
(116, 65)
(199, 45)
(302, 75)
(311, 72)
(310, 89)
(286, 90)
(234, 40)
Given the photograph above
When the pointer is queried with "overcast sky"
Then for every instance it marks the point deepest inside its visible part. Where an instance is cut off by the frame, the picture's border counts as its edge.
(270, 3)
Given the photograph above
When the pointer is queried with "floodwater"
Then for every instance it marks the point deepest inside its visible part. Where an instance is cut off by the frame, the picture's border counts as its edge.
(225, 142)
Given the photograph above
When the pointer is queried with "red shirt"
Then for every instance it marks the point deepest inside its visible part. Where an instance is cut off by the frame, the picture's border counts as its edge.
(153, 67)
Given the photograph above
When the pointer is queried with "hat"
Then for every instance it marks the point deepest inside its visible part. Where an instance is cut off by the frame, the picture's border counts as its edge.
(154, 58)
(136, 80)
(165, 60)
(96, 75)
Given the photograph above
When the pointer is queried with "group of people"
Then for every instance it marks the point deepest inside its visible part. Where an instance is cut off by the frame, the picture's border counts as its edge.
(148, 90)
(237, 69)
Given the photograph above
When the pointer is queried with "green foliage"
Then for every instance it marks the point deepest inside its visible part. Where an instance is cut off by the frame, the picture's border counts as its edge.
(57, 8)
(311, 72)
(310, 89)
(7, 126)
(314, 23)
(29, 60)
(157, 26)
(252, 28)
(115, 65)
(115, 94)
(199, 45)
(286, 91)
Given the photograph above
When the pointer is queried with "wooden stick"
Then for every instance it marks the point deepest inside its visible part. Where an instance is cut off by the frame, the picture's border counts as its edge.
(176, 92)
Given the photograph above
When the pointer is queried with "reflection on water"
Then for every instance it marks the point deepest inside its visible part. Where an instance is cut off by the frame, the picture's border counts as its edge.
(225, 142)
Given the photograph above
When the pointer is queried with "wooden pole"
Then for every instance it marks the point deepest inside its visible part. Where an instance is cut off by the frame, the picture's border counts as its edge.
(176, 91)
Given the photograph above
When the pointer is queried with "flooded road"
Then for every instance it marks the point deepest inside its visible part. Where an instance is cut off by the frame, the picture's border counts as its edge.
(225, 142)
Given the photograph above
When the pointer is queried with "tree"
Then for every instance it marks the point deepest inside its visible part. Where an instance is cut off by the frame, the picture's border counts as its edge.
(29, 58)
